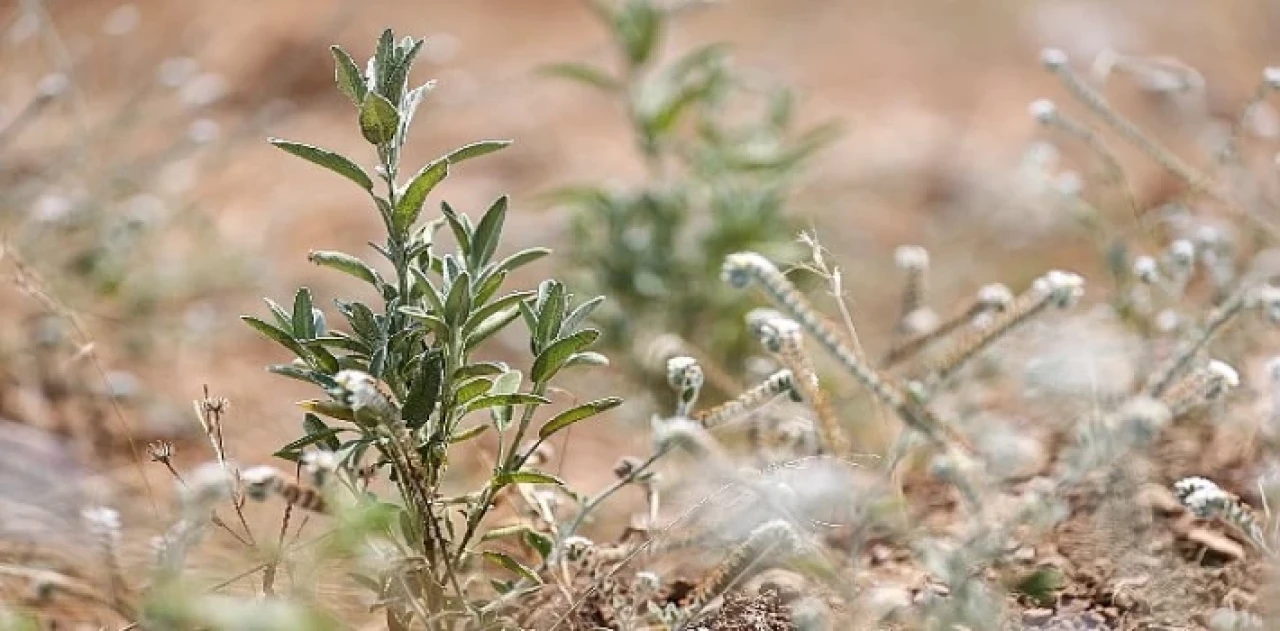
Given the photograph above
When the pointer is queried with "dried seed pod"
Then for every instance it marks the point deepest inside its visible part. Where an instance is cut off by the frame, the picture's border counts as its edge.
(775, 385)
(1055, 288)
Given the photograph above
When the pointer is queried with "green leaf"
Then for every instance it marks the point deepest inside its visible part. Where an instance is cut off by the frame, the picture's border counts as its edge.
(522, 257)
(479, 369)
(486, 328)
(329, 408)
(526, 477)
(467, 434)
(434, 323)
(334, 162)
(639, 24)
(512, 565)
(476, 149)
(507, 383)
(295, 371)
(495, 400)
(303, 325)
(410, 103)
(469, 390)
(573, 415)
(487, 284)
(551, 315)
(583, 73)
(424, 391)
(457, 306)
(346, 264)
(321, 434)
(539, 542)
(554, 357)
(488, 233)
(379, 119)
(283, 318)
(323, 359)
(348, 77)
(578, 316)
(313, 425)
(483, 313)
(457, 226)
(276, 335)
(429, 290)
(414, 194)
(587, 358)
(502, 532)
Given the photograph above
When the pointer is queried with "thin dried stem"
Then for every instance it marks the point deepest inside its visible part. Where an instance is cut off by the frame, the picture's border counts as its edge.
(1214, 323)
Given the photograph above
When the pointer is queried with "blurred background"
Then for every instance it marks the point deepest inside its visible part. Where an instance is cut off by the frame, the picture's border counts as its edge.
(142, 211)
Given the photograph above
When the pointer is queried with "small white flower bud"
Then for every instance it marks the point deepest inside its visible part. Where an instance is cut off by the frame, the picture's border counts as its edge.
(911, 257)
(1053, 58)
(1044, 111)
(995, 296)
(1146, 269)
(1271, 76)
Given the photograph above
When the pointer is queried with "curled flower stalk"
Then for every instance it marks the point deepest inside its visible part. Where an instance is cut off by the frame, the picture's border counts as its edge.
(744, 268)
(783, 338)
(1206, 500)
(1060, 289)
(1199, 387)
(994, 298)
(775, 385)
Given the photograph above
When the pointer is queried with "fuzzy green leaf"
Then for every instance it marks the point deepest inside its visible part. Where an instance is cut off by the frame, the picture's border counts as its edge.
(554, 357)
(521, 258)
(476, 149)
(583, 73)
(414, 195)
(457, 306)
(346, 264)
(329, 408)
(512, 565)
(467, 434)
(487, 235)
(334, 162)
(303, 324)
(424, 391)
(490, 325)
(501, 304)
(526, 477)
(276, 335)
(551, 315)
(379, 119)
(495, 400)
(469, 390)
(573, 415)
(348, 77)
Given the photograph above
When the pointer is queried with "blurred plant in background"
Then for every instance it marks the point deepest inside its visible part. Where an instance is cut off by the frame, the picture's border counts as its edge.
(721, 154)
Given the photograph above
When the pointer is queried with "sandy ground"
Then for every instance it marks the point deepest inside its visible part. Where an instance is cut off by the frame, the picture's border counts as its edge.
(934, 95)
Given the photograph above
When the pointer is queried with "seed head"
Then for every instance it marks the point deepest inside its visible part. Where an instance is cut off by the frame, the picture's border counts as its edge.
(1273, 370)
(1053, 58)
(1064, 288)
(1201, 495)
(995, 297)
(577, 547)
(1044, 111)
(1271, 76)
(1146, 269)
(1182, 253)
(739, 268)
(911, 257)
(684, 372)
